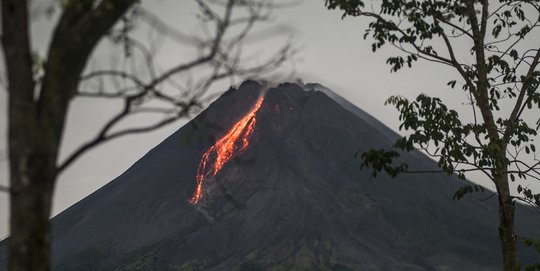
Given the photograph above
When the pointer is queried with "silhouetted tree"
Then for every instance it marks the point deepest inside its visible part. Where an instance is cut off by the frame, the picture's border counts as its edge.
(500, 75)
(40, 92)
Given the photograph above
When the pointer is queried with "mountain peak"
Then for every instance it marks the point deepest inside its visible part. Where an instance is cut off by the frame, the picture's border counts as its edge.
(290, 197)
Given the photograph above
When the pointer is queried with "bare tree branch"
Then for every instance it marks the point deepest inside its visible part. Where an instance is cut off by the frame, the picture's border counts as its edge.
(4, 189)
(104, 138)
(221, 54)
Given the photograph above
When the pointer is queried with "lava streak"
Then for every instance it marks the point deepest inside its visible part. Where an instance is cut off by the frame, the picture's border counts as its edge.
(235, 141)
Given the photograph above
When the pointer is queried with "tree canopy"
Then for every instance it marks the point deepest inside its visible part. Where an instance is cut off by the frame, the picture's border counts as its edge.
(493, 46)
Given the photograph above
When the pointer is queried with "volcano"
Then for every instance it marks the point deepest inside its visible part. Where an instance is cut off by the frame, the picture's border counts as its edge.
(266, 179)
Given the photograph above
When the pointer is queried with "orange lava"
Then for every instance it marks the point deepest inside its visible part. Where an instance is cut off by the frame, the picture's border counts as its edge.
(235, 141)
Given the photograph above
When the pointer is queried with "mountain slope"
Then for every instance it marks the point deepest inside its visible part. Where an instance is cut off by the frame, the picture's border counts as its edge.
(295, 199)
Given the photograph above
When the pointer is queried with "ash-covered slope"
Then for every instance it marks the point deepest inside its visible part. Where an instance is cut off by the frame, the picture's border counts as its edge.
(294, 200)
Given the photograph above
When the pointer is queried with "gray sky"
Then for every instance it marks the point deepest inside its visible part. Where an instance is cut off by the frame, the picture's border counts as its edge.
(331, 52)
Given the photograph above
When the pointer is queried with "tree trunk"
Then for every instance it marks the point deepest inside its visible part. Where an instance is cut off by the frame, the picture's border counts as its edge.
(32, 177)
(30, 237)
(506, 225)
(506, 207)
(36, 124)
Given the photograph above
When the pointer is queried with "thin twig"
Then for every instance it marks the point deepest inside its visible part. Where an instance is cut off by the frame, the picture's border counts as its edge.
(5, 189)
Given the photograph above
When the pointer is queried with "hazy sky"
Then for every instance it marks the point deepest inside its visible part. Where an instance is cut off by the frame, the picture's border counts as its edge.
(331, 51)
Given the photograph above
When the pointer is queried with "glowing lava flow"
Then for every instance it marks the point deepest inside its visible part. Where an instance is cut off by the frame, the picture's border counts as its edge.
(234, 141)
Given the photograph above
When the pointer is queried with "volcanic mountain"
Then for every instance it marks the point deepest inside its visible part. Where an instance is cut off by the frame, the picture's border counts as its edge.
(266, 179)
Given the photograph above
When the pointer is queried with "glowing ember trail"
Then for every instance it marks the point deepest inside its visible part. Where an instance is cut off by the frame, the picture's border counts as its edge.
(233, 142)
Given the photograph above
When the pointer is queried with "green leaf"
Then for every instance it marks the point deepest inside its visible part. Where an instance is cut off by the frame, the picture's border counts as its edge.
(466, 189)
